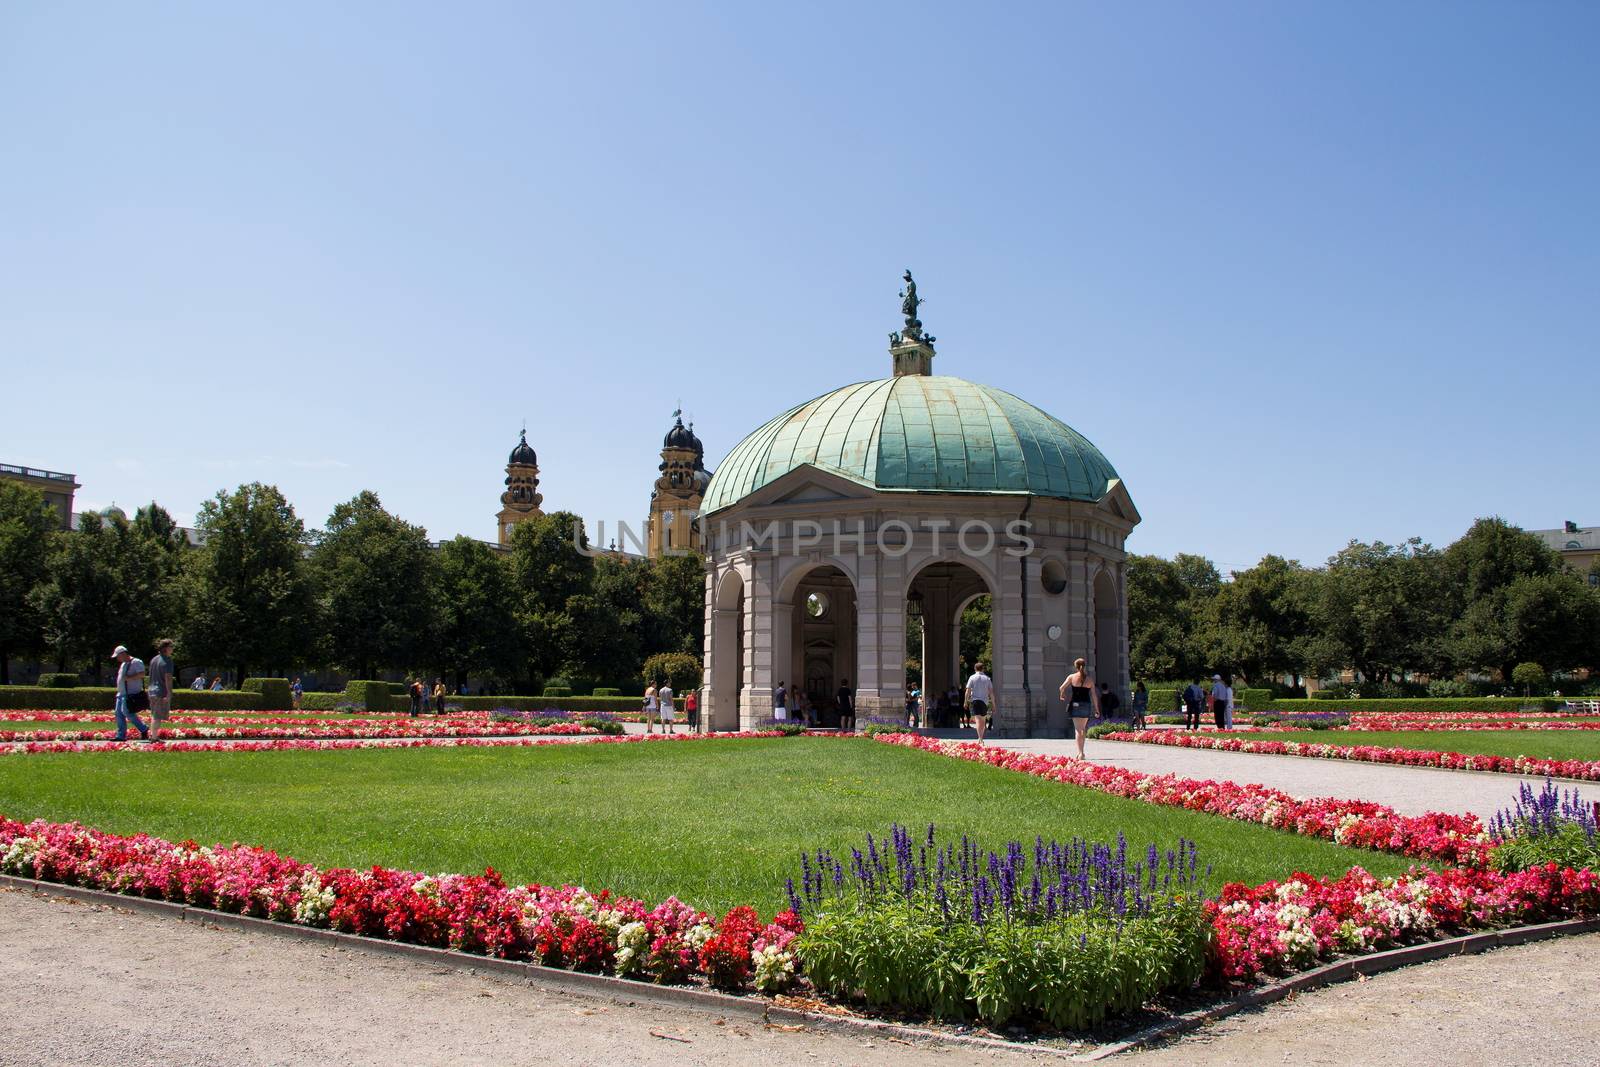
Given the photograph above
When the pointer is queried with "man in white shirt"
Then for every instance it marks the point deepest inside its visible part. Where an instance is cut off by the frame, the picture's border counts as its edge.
(131, 698)
(668, 711)
(979, 699)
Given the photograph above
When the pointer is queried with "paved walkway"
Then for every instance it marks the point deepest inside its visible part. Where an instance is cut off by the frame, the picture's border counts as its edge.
(1409, 790)
(87, 984)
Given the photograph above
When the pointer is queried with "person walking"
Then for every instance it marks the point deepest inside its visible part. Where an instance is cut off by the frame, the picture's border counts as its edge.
(780, 710)
(913, 698)
(650, 708)
(1110, 703)
(691, 710)
(160, 677)
(669, 710)
(415, 691)
(131, 697)
(845, 699)
(795, 705)
(297, 693)
(977, 701)
(1194, 698)
(1082, 702)
(1141, 705)
(1221, 702)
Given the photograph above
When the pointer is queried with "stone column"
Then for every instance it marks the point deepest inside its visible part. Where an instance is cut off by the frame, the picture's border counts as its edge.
(755, 703)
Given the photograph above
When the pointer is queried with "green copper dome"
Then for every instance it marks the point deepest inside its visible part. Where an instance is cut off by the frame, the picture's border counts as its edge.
(918, 433)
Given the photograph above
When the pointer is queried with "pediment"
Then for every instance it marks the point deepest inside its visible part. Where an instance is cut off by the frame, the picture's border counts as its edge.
(1119, 503)
(809, 484)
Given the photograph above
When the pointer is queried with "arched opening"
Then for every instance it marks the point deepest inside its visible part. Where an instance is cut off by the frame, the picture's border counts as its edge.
(728, 675)
(1107, 634)
(950, 627)
(820, 652)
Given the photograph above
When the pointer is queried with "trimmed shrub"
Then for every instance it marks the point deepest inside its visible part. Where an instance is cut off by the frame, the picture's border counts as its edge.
(1251, 699)
(557, 691)
(577, 704)
(104, 698)
(275, 692)
(370, 696)
(56, 680)
(605, 726)
(604, 691)
(1400, 705)
(327, 702)
(1327, 694)
(1164, 701)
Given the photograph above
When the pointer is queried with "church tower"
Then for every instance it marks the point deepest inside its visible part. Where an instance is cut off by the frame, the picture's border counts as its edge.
(675, 500)
(521, 499)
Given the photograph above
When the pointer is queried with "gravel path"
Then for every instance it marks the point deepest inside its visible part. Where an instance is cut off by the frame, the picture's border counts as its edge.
(86, 984)
(1409, 790)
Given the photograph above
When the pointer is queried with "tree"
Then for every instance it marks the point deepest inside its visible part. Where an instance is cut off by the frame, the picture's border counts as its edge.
(1381, 607)
(549, 568)
(249, 600)
(477, 621)
(681, 670)
(1552, 619)
(1491, 555)
(1258, 623)
(375, 576)
(103, 587)
(1528, 675)
(27, 527)
(675, 604)
(1166, 599)
(977, 632)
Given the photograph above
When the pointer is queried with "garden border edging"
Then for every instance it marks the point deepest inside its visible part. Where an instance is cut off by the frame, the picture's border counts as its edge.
(620, 990)
(1342, 970)
(628, 991)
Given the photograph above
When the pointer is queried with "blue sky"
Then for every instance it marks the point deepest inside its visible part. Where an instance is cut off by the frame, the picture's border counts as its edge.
(1304, 273)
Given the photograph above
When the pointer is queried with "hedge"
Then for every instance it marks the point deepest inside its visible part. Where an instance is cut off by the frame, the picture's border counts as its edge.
(579, 704)
(1404, 704)
(368, 695)
(326, 702)
(275, 692)
(58, 681)
(557, 691)
(605, 692)
(104, 698)
(1165, 701)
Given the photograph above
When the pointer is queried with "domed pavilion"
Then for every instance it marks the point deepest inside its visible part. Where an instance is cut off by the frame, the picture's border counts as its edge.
(833, 523)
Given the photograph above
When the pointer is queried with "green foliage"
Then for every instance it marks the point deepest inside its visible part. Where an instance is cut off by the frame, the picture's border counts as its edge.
(370, 696)
(249, 599)
(1166, 599)
(682, 671)
(1320, 700)
(977, 632)
(1528, 675)
(27, 528)
(609, 727)
(58, 680)
(1566, 846)
(1165, 700)
(104, 698)
(552, 579)
(1252, 699)
(274, 693)
(104, 586)
(541, 703)
(557, 691)
(1072, 972)
(477, 621)
(375, 573)
(1257, 622)
(1381, 607)
(605, 691)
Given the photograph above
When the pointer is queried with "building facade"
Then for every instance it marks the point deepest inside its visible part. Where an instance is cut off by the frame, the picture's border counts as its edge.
(833, 523)
(1579, 547)
(58, 488)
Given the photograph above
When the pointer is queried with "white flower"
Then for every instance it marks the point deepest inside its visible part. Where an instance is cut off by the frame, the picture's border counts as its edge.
(315, 901)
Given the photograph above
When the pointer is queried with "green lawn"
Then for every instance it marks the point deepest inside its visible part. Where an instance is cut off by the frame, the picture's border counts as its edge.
(716, 822)
(1550, 744)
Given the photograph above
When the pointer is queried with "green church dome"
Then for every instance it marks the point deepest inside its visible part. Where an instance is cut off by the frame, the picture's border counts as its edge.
(919, 433)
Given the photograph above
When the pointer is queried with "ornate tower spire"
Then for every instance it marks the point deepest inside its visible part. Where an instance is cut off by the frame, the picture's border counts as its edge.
(911, 349)
(521, 499)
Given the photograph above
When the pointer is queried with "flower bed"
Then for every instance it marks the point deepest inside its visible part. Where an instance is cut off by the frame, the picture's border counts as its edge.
(563, 926)
(1377, 723)
(340, 730)
(1355, 823)
(47, 747)
(1587, 770)
(1281, 927)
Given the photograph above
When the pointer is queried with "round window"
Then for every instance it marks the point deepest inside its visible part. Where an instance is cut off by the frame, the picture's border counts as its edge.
(817, 605)
(1053, 576)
